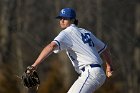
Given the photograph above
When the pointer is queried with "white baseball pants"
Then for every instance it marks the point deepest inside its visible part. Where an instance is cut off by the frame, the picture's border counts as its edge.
(89, 80)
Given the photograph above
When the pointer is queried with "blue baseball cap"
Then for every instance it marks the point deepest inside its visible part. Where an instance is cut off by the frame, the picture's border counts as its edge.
(68, 13)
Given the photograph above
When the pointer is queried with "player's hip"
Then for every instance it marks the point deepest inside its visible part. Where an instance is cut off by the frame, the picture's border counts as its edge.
(95, 72)
(89, 80)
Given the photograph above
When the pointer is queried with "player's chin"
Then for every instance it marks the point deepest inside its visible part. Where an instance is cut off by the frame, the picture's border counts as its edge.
(62, 26)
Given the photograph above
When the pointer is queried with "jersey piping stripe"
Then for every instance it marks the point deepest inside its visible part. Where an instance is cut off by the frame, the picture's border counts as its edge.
(102, 49)
(58, 44)
(84, 82)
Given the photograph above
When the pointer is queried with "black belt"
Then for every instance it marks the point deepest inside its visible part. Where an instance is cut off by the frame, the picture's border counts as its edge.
(91, 65)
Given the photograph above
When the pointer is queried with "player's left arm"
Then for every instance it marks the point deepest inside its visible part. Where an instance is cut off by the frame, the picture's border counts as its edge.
(45, 53)
(107, 56)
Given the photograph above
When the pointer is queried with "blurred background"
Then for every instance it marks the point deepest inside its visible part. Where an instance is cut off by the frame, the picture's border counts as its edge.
(27, 26)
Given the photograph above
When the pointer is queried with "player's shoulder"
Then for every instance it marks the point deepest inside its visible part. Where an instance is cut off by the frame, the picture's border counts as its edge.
(72, 26)
(69, 29)
(66, 31)
(83, 30)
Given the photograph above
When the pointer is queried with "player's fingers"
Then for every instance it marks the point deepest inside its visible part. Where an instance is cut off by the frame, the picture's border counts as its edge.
(109, 73)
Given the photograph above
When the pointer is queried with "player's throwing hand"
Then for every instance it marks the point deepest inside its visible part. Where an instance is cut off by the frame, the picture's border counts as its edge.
(109, 72)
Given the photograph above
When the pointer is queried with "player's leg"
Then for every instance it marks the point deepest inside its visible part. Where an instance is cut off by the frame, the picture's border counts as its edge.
(97, 78)
(89, 81)
(78, 84)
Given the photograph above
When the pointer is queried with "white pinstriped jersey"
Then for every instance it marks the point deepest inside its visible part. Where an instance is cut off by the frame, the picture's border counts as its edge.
(81, 46)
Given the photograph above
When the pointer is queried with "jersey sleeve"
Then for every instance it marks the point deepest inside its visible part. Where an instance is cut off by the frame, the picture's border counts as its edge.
(63, 41)
(100, 46)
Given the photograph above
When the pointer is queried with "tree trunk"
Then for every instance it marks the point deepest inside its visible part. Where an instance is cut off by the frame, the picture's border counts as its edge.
(99, 18)
(137, 51)
(4, 32)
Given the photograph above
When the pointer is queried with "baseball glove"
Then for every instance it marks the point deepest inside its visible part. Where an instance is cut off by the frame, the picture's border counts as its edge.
(30, 77)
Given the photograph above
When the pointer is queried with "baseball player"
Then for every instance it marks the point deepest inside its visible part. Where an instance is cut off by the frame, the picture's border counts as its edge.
(83, 49)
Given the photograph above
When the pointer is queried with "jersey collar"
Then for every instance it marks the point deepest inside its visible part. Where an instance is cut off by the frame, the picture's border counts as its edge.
(73, 25)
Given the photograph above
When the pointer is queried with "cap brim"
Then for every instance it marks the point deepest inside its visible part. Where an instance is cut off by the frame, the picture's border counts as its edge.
(61, 17)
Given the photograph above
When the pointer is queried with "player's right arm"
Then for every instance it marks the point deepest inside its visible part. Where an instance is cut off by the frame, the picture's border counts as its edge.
(45, 53)
(103, 49)
(107, 57)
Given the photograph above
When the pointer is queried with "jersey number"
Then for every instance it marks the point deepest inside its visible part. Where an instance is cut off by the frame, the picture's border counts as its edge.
(87, 39)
